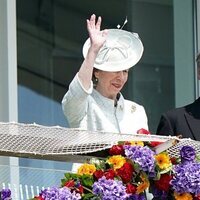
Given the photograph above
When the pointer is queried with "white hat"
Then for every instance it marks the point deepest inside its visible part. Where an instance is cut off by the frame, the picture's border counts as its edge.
(121, 51)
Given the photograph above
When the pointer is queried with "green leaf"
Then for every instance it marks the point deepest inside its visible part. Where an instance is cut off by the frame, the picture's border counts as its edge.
(136, 167)
(68, 177)
(63, 181)
(198, 158)
(157, 176)
(121, 142)
(87, 180)
(90, 196)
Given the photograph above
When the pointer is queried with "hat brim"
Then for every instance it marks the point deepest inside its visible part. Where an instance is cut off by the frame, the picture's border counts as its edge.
(130, 43)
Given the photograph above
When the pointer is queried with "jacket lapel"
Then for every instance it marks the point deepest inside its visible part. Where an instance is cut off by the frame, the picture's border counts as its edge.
(194, 125)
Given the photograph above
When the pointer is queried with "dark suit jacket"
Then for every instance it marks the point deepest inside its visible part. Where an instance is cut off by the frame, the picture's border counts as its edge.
(183, 121)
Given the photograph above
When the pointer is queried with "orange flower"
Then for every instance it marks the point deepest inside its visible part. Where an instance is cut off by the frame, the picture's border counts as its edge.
(142, 186)
(87, 169)
(117, 161)
(183, 196)
(163, 160)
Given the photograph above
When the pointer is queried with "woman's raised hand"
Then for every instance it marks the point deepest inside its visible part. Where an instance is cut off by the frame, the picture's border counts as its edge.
(97, 37)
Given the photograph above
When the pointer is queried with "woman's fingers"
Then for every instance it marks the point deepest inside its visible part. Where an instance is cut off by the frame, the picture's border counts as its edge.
(97, 36)
(98, 24)
(92, 20)
(92, 24)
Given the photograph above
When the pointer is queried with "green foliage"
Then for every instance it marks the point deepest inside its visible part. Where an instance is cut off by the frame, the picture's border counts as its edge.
(90, 196)
(87, 180)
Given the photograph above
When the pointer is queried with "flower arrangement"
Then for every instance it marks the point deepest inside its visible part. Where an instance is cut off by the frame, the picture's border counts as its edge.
(130, 169)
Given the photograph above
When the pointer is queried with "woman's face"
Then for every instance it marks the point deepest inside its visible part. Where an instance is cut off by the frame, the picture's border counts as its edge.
(110, 83)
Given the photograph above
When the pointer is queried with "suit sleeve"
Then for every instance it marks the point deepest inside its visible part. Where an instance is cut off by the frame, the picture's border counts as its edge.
(165, 126)
(75, 102)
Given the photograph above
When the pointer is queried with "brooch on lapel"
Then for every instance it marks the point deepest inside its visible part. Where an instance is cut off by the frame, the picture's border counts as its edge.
(133, 109)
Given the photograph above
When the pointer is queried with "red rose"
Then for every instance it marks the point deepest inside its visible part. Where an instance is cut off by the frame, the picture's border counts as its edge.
(109, 174)
(126, 172)
(80, 189)
(69, 183)
(163, 183)
(116, 150)
(98, 174)
(143, 131)
(173, 160)
(130, 189)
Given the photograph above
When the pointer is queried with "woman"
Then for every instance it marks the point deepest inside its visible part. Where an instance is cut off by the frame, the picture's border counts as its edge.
(100, 106)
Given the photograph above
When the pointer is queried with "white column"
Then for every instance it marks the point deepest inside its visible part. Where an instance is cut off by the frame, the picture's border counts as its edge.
(8, 75)
(8, 61)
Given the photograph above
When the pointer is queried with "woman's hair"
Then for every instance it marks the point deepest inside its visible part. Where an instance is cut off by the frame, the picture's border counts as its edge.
(198, 59)
(94, 79)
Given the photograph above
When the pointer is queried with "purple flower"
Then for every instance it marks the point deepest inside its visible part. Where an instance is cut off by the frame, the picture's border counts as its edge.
(55, 193)
(5, 194)
(108, 189)
(187, 154)
(187, 178)
(137, 197)
(143, 156)
(159, 193)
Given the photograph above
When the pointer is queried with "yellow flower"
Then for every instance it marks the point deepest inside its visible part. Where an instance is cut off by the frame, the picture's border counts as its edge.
(117, 161)
(142, 186)
(183, 196)
(137, 143)
(88, 169)
(163, 160)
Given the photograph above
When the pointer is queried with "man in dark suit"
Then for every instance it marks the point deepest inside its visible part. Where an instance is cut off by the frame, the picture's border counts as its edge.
(183, 121)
